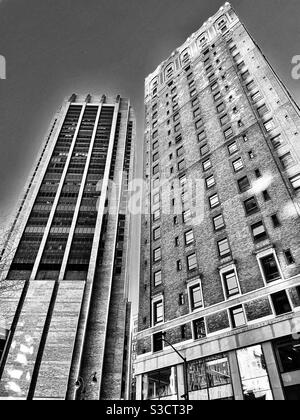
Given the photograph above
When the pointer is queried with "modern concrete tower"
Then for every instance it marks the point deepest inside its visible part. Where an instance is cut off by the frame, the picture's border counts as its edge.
(220, 258)
(65, 300)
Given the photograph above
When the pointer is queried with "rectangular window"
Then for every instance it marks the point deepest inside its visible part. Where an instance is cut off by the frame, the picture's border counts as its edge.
(266, 195)
(277, 141)
(179, 265)
(156, 215)
(224, 248)
(269, 125)
(186, 216)
(244, 184)
(251, 85)
(214, 86)
(258, 231)
(189, 237)
(295, 181)
(217, 96)
(245, 75)
(228, 133)
(157, 255)
(155, 157)
(281, 303)
(193, 92)
(158, 312)
(180, 151)
(3, 339)
(198, 124)
(156, 234)
(204, 149)
(176, 117)
(210, 181)
(155, 169)
(181, 299)
(251, 206)
(177, 128)
(191, 262)
(232, 148)
(178, 138)
(196, 297)
(287, 160)
(214, 201)
(199, 328)
(155, 145)
(155, 134)
(231, 284)
(181, 165)
(196, 112)
(154, 125)
(201, 135)
(191, 84)
(219, 222)
(289, 257)
(256, 96)
(275, 221)
(206, 165)
(195, 102)
(220, 107)
(157, 278)
(238, 164)
(262, 110)
(237, 315)
(224, 119)
(157, 342)
(270, 268)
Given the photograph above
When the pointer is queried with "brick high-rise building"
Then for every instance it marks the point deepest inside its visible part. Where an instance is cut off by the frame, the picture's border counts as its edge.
(66, 313)
(220, 258)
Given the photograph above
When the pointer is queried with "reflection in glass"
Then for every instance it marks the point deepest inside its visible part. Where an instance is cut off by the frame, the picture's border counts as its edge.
(161, 384)
(254, 375)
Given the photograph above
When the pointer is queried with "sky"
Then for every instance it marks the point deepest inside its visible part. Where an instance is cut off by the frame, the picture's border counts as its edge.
(54, 48)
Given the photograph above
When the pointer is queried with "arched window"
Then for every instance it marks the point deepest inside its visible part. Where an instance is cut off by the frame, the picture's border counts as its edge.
(185, 57)
(169, 71)
(221, 24)
(202, 40)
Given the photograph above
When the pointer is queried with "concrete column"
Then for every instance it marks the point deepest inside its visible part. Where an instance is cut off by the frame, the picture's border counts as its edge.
(180, 381)
(274, 375)
(139, 379)
(235, 376)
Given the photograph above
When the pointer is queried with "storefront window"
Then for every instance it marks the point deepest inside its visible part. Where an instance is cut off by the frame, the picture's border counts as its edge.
(254, 375)
(288, 354)
(210, 379)
(161, 384)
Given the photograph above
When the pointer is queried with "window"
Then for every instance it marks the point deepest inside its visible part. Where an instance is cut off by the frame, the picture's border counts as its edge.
(224, 119)
(237, 316)
(269, 125)
(178, 138)
(3, 339)
(220, 107)
(193, 92)
(228, 133)
(155, 156)
(175, 220)
(191, 84)
(238, 165)
(196, 297)
(158, 312)
(245, 75)
(214, 86)
(189, 237)
(198, 124)
(206, 165)
(295, 181)
(256, 96)
(266, 195)
(156, 183)
(177, 127)
(154, 125)
(157, 255)
(157, 342)
(214, 201)
(160, 385)
(289, 257)
(275, 221)
(219, 222)
(156, 234)
(181, 165)
(244, 184)
(224, 248)
(176, 241)
(181, 299)
(251, 206)
(277, 141)
(179, 265)
(210, 181)
(270, 268)
(281, 303)
(155, 169)
(180, 151)
(217, 96)
(245, 138)
(254, 375)
(191, 262)
(155, 145)
(288, 352)
(251, 155)
(155, 134)
(186, 216)
(258, 231)
(157, 278)
(195, 102)
(257, 173)
(201, 135)
(251, 85)
(287, 160)
(196, 112)
(204, 149)
(199, 329)
(232, 148)
(156, 215)
(231, 284)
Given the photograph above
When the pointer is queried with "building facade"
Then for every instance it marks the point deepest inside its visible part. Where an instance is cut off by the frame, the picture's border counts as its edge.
(220, 252)
(66, 317)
